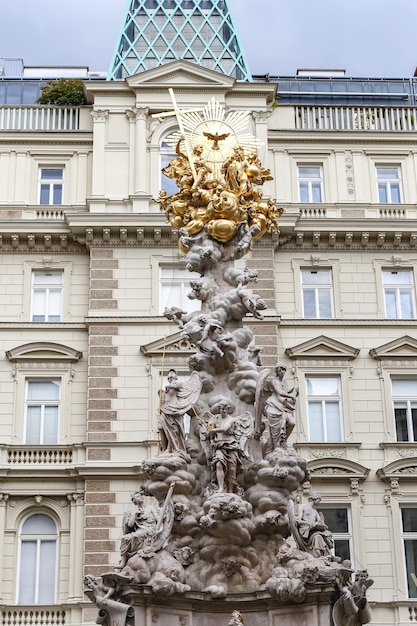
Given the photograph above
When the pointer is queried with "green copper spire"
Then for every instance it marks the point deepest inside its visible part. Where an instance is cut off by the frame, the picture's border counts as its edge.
(156, 32)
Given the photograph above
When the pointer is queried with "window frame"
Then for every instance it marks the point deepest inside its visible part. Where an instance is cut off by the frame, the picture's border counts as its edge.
(186, 303)
(51, 183)
(323, 399)
(407, 536)
(388, 182)
(348, 535)
(317, 288)
(21, 567)
(42, 404)
(398, 288)
(46, 289)
(34, 265)
(311, 263)
(309, 181)
(408, 401)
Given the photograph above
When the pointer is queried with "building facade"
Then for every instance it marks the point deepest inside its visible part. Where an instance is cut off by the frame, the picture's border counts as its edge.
(88, 264)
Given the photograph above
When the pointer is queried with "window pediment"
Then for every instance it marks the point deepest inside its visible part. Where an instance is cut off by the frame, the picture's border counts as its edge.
(321, 348)
(403, 348)
(401, 468)
(337, 468)
(43, 351)
(172, 345)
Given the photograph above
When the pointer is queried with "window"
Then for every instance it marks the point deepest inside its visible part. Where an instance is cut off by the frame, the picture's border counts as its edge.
(324, 408)
(42, 412)
(317, 292)
(47, 291)
(404, 396)
(389, 184)
(398, 294)
(37, 560)
(338, 521)
(310, 183)
(409, 533)
(51, 185)
(167, 153)
(174, 287)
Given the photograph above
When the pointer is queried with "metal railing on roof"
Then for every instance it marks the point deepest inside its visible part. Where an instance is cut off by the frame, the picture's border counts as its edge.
(362, 118)
(42, 117)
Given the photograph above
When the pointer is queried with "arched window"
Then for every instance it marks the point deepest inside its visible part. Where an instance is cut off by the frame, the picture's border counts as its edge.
(167, 153)
(37, 560)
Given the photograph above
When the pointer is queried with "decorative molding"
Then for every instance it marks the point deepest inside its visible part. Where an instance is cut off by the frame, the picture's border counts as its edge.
(402, 348)
(43, 352)
(322, 347)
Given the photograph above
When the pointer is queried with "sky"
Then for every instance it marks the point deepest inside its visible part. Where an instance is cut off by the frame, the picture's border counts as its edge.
(367, 38)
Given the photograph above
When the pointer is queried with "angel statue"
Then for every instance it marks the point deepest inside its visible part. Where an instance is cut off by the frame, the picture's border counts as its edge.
(277, 403)
(225, 440)
(176, 400)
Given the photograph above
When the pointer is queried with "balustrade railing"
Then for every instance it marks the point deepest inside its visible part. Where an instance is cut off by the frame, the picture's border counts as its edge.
(363, 118)
(41, 117)
(42, 616)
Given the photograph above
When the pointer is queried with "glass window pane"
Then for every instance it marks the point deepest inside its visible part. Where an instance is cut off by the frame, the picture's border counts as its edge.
(57, 195)
(409, 518)
(50, 430)
(323, 386)
(325, 304)
(406, 303)
(47, 573)
(309, 303)
(390, 304)
(342, 549)
(47, 278)
(387, 172)
(316, 192)
(414, 421)
(411, 565)
(404, 387)
(397, 277)
(44, 197)
(38, 305)
(309, 172)
(316, 277)
(336, 519)
(40, 525)
(27, 572)
(54, 304)
(382, 193)
(400, 413)
(51, 174)
(304, 192)
(395, 193)
(43, 390)
(33, 425)
(315, 419)
(333, 421)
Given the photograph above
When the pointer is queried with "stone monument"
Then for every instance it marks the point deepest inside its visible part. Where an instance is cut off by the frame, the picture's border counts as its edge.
(225, 542)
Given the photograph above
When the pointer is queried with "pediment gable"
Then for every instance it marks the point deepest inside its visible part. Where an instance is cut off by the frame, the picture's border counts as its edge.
(401, 468)
(337, 468)
(180, 73)
(403, 348)
(43, 351)
(321, 348)
(172, 345)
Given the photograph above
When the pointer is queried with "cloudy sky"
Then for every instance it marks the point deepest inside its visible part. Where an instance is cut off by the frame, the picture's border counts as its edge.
(373, 38)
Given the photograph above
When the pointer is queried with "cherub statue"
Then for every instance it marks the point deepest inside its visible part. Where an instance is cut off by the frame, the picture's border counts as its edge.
(352, 608)
(177, 399)
(225, 440)
(277, 403)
